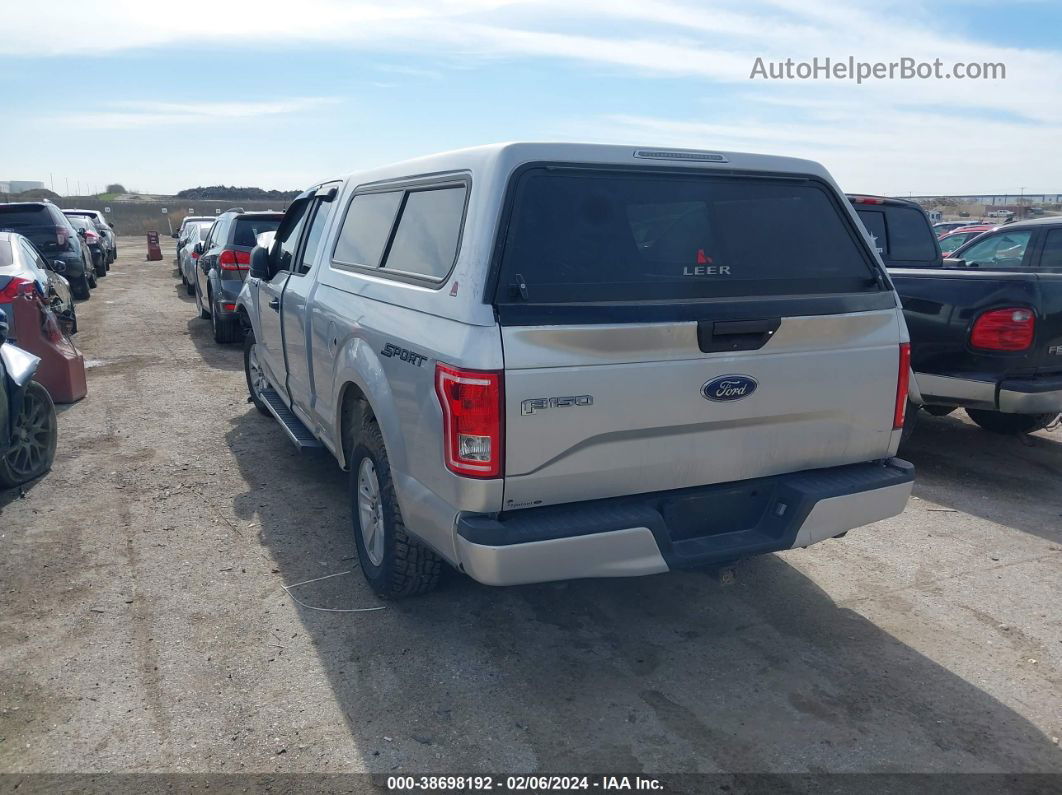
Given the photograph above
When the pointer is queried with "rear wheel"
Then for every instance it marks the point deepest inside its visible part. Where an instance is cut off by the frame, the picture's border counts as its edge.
(998, 422)
(226, 330)
(395, 564)
(79, 286)
(252, 369)
(99, 265)
(36, 431)
(203, 314)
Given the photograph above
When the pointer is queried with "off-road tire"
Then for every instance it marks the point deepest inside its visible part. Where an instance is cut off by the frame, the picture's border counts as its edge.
(408, 568)
(998, 422)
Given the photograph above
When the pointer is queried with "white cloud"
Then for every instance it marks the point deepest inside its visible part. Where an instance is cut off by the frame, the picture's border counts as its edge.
(943, 130)
(133, 114)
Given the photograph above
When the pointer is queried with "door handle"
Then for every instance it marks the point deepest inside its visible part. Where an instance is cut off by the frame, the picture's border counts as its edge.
(735, 335)
(274, 304)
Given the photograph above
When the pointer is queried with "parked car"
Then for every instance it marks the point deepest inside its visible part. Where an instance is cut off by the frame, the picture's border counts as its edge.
(946, 227)
(952, 240)
(106, 229)
(189, 220)
(986, 324)
(55, 238)
(671, 359)
(187, 255)
(224, 258)
(21, 265)
(90, 233)
(29, 429)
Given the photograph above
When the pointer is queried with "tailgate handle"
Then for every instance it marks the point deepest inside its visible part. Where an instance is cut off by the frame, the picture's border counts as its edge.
(735, 335)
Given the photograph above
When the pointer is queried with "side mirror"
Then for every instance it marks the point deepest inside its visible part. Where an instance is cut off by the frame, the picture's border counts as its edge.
(80, 232)
(58, 266)
(260, 263)
(198, 248)
(175, 235)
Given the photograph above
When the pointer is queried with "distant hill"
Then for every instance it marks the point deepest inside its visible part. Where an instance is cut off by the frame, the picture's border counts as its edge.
(225, 192)
(35, 195)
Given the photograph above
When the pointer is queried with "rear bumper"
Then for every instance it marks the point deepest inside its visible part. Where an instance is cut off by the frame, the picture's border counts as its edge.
(1029, 395)
(653, 533)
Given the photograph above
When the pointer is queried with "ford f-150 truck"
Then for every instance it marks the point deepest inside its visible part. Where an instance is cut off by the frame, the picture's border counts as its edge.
(554, 361)
(986, 323)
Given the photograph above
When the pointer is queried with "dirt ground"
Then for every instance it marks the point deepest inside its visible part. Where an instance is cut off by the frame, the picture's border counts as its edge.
(144, 628)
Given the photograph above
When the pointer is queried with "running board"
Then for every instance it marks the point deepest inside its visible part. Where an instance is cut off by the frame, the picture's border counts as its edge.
(298, 433)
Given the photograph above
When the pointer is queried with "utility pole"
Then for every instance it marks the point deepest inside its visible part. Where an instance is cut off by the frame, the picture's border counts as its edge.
(68, 186)
(51, 179)
(1021, 203)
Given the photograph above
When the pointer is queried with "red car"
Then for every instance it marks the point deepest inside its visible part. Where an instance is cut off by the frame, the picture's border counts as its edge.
(956, 237)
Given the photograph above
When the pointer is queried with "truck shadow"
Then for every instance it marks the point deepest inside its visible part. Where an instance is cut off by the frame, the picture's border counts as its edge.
(1010, 480)
(221, 357)
(667, 673)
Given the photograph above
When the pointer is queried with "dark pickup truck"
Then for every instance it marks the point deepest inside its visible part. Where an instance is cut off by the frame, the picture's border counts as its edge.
(985, 323)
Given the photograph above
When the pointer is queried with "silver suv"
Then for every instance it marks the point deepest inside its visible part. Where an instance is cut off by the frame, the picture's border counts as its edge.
(551, 361)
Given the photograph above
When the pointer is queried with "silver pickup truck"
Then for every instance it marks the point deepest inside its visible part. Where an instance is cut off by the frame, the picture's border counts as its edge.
(553, 361)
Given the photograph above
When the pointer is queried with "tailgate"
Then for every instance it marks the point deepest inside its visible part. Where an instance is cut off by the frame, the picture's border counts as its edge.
(600, 411)
(664, 330)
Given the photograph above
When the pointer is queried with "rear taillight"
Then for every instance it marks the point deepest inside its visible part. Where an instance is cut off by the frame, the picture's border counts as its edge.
(195, 254)
(91, 237)
(1010, 329)
(903, 379)
(16, 287)
(62, 235)
(472, 420)
(233, 260)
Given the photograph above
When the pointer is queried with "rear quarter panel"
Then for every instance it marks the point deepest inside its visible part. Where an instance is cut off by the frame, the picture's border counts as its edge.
(940, 307)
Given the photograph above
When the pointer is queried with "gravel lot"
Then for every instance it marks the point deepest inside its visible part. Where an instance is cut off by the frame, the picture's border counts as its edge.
(144, 627)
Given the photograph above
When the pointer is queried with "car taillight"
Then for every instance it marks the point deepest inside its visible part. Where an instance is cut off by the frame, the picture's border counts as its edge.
(1010, 329)
(233, 260)
(903, 379)
(195, 254)
(16, 287)
(472, 420)
(91, 237)
(62, 235)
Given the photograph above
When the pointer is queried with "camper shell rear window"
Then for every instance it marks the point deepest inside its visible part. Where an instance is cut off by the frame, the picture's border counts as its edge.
(582, 235)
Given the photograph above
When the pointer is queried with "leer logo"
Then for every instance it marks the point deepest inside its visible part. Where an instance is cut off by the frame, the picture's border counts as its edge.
(705, 267)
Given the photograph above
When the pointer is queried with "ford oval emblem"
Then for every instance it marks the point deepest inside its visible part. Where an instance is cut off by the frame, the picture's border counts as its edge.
(729, 387)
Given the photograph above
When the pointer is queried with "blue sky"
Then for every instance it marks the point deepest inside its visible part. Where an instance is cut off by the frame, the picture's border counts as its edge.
(165, 96)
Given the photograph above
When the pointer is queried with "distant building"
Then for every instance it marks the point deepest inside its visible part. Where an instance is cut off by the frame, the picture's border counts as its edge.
(20, 185)
(996, 198)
